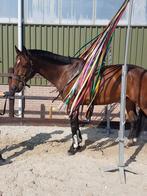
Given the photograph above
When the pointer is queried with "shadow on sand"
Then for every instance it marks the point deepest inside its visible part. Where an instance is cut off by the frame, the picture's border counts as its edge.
(97, 139)
(27, 145)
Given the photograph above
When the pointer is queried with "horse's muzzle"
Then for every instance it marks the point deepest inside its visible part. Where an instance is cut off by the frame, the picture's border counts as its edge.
(12, 91)
(8, 94)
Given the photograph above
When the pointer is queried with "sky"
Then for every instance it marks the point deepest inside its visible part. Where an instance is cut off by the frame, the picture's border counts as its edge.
(72, 10)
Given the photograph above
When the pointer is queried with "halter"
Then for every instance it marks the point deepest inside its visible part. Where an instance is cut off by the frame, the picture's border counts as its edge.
(22, 78)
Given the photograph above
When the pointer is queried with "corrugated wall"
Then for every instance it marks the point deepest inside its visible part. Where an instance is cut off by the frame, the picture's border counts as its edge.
(66, 40)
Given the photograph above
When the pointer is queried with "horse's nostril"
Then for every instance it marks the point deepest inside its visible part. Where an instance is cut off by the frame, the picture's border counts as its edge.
(12, 90)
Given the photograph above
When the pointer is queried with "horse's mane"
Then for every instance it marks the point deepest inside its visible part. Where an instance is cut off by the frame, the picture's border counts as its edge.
(52, 56)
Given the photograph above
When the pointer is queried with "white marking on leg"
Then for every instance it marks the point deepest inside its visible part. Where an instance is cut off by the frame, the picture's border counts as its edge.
(135, 139)
(75, 141)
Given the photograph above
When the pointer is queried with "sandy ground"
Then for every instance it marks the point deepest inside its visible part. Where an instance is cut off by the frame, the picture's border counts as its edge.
(41, 166)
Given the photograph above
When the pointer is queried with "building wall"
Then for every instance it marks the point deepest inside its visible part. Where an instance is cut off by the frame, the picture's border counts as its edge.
(66, 40)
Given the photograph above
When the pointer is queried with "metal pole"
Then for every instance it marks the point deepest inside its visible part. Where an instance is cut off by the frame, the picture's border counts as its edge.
(11, 101)
(108, 114)
(121, 164)
(108, 107)
(20, 40)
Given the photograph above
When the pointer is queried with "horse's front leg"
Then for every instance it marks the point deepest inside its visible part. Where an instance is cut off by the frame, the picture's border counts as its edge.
(76, 133)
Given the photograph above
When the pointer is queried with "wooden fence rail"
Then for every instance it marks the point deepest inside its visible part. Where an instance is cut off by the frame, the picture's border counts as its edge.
(50, 111)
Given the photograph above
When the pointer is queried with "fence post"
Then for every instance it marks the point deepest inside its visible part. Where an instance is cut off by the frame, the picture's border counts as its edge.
(23, 107)
(50, 112)
(11, 100)
(42, 112)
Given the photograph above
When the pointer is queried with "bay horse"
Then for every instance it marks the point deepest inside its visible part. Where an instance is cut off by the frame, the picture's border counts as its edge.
(61, 70)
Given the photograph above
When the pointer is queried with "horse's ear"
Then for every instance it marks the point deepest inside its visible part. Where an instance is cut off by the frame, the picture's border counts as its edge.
(17, 50)
(25, 51)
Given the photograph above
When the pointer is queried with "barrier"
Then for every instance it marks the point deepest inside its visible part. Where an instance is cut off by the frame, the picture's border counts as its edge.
(48, 115)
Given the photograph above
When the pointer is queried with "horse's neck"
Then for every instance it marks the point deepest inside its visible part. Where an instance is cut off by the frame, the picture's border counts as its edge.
(58, 75)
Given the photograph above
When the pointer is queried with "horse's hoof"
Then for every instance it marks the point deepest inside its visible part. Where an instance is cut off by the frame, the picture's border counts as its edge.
(73, 151)
(131, 142)
(4, 161)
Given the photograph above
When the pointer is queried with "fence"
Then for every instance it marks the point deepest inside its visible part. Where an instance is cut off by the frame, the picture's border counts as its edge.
(38, 107)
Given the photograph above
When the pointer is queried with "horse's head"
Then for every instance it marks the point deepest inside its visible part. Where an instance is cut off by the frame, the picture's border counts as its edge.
(23, 70)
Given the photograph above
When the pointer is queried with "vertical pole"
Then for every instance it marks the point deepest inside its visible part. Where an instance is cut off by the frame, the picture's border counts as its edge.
(94, 11)
(108, 107)
(20, 40)
(42, 116)
(60, 10)
(50, 112)
(11, 100)
(108, 114)
(123, 95)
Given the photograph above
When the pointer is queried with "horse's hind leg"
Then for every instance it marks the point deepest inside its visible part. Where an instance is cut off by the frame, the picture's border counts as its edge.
(76, 133)
(139, 123)
(132, 117)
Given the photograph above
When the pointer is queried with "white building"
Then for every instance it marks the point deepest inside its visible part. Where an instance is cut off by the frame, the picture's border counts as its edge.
(74, 12)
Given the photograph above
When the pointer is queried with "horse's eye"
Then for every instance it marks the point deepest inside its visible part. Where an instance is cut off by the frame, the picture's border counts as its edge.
(24, 66)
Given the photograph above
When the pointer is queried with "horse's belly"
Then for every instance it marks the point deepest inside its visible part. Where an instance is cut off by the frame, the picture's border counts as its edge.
(109, 90)
(103, 98)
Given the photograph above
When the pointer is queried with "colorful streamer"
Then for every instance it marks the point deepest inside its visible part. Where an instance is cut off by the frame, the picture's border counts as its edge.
(94, 57)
